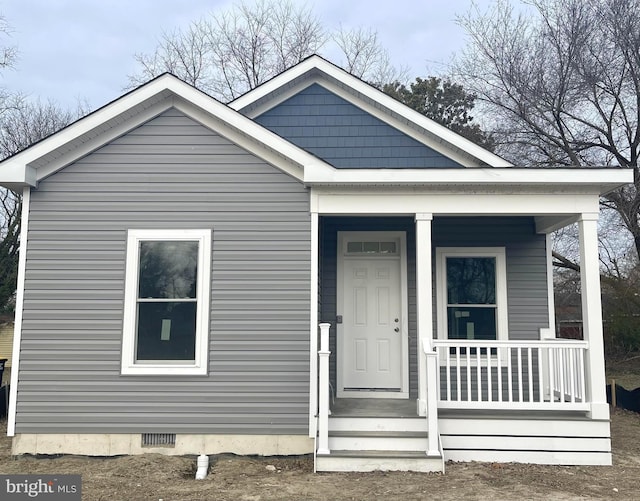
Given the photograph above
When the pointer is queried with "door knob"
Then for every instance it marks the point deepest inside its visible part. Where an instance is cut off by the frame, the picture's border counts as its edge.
(397, 329)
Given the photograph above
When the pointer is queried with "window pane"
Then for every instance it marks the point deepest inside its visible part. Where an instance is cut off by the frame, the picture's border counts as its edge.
(471, 323)
(168, 269)
(471, 280)
(388, 247)
(166, 331)
(354, 246)
(371, 247)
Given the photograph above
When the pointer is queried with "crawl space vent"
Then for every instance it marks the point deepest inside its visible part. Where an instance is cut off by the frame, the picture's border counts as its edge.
(158, 440)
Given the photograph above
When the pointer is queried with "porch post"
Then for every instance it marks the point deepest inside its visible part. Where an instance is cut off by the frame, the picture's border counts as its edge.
(424, 299)
(592, 315)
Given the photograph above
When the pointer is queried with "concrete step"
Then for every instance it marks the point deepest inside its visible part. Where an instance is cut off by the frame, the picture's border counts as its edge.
(378, 460)
(378, 440)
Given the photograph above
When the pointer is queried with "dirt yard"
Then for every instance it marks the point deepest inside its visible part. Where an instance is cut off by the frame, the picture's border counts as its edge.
(233, 478)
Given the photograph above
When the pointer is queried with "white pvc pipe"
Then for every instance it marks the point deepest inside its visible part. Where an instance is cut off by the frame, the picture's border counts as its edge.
(203, 466)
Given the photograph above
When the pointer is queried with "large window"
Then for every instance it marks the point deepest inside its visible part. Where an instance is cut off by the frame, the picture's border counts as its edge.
(471, 293)
(166, 313)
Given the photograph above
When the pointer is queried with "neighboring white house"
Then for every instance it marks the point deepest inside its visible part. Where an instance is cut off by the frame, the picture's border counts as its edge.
(214, 278)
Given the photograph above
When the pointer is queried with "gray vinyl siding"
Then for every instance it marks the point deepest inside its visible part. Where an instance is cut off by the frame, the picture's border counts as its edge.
(526, 269)
(346, 136)
(169, 173)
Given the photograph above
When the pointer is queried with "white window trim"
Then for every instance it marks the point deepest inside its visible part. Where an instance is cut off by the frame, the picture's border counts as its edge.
(200, 365)
(502, 314)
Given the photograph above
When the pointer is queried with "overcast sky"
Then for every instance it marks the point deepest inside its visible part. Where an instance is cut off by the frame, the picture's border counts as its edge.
(83, 49)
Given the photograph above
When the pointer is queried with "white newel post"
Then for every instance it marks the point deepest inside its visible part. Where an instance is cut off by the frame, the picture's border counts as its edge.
(592, 315)
(424, 297)
(547, 359)
(431, 358)
(323, 390)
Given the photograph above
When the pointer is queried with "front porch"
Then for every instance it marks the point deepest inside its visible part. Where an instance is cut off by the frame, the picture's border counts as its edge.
(491, 401)
(519, 395)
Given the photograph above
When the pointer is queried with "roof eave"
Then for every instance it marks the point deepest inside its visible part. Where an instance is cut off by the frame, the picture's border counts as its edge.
(594, 180)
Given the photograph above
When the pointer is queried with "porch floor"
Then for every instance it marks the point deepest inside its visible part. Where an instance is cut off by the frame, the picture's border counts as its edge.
(406, 408)
(374, 407)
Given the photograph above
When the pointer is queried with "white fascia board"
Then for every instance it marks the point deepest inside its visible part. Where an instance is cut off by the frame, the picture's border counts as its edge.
(246, 127)
(604, 180)
(328, 201)
(276, 82)
(359, 87)
(431, 141)
(17, 169)
(16, 177)
(91, 121)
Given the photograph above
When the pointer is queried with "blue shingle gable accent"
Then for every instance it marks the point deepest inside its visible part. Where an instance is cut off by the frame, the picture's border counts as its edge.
(345, 136)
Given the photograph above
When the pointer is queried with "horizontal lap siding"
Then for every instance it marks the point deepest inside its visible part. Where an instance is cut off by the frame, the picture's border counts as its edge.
(170, 173)
(346, 136)
(568, 440)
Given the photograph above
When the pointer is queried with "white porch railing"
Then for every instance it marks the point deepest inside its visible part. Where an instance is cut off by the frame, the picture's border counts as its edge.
(547, 374)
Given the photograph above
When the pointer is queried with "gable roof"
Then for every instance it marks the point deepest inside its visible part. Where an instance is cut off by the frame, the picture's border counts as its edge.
(316, 70)
(115, 119)
(235, 122)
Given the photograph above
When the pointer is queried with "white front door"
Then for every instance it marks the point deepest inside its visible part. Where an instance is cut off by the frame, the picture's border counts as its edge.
(372, 335)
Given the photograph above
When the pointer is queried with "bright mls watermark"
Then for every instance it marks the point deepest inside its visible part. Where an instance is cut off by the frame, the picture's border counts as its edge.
(41, 487)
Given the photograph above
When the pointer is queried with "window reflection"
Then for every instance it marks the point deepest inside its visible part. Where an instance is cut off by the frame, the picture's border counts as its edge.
(471, 297)
(471, 280)
(168, 269)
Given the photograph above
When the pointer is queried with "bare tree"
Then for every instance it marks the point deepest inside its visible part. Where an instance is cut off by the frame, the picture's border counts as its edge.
(561, 82)
(366, 58)
(8, 53)
(183, 53)
(22, 123)
(235, 50)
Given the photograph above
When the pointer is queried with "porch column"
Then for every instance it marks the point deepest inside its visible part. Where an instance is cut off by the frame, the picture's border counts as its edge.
(424, 299)
(592, 315)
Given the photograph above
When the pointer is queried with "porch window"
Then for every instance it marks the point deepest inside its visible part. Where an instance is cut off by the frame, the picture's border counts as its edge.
(166, 314)
(471, 293)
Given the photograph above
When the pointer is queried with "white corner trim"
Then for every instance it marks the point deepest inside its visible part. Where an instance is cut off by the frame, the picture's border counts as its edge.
(502, 314)
(200, 364)
(17, 328)
(550, 293)
(313, 325)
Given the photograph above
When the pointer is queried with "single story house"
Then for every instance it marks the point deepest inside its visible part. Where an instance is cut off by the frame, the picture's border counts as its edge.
(313, 268)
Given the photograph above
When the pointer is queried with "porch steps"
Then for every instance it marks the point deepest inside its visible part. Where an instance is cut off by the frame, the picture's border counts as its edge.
(378, 443)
